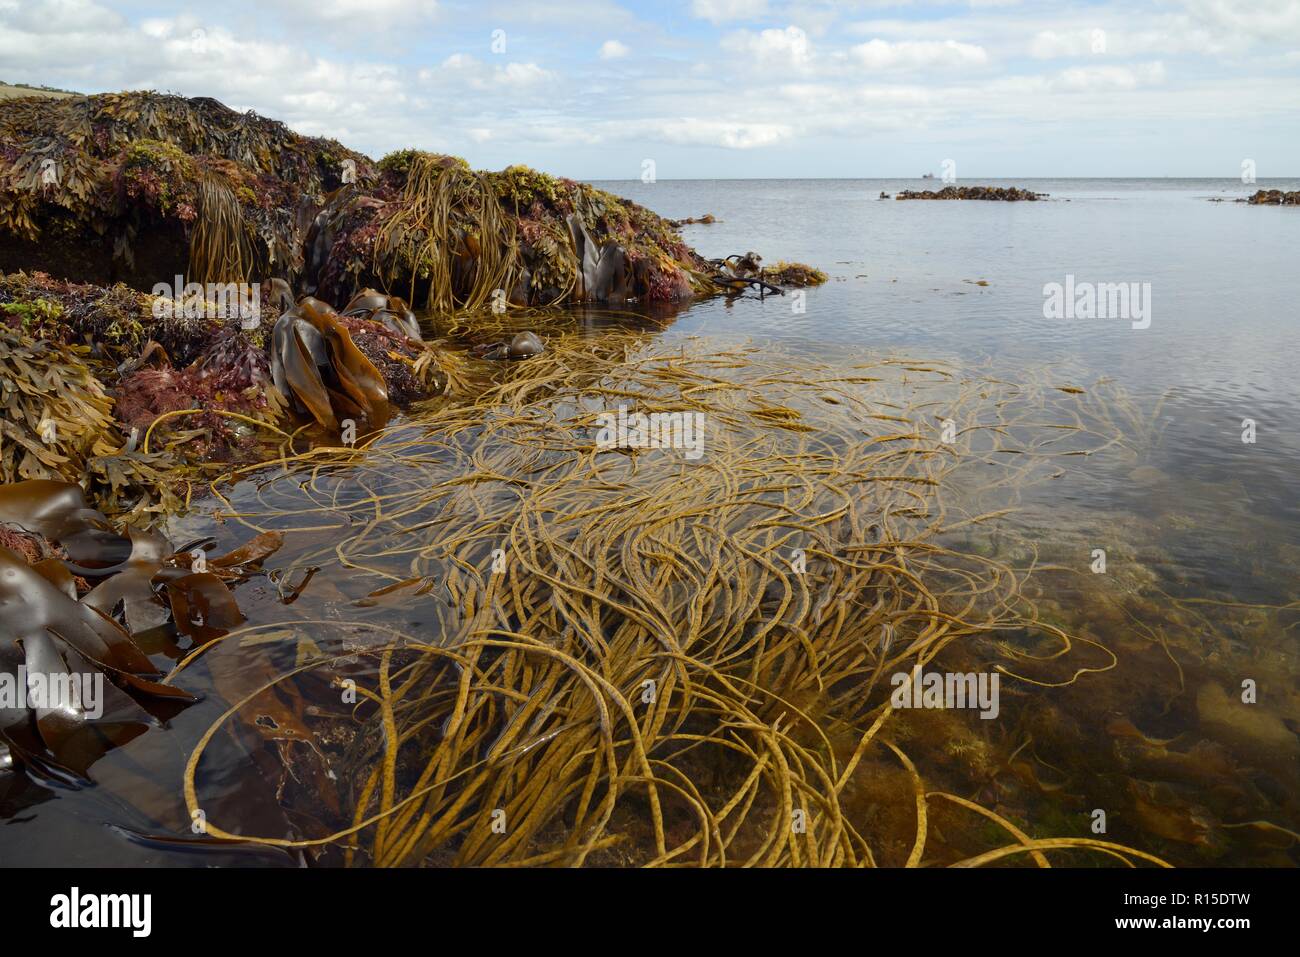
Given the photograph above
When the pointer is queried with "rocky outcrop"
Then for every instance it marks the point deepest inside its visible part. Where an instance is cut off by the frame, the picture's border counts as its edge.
(139, 188)
(1008, 194)
(1275, 197)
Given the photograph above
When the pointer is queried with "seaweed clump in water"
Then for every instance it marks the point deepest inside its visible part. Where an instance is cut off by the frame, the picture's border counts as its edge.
(451, 238)
(629, 655)
(74, 680)
(1274, 197)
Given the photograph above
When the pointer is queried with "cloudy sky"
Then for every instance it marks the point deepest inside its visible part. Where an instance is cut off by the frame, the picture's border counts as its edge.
(718, 88)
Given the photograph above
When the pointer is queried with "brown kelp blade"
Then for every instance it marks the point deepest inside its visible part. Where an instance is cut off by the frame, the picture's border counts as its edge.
(356, 374)
(202, 606)
(58, 511)
(56, 572)
(366, 301)
(252, 553)
(76, 716)
(132, 589)
(391, 312)
(45, 506)
(314, 359)
(294, 369)
(216, 852)
(611, 275)
(134, 592)
(78, 662)
(55, 693)
(30, 603)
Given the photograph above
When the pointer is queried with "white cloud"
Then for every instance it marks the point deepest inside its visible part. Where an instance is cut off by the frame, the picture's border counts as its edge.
(719, 12)
(462, 67)
(788, 47)
(1117, 78)
(1175, 37)
(738, 136)
(919, 54)
(613, 50)
(1051, 44)
(1263, 20)
(521, 75)
(53, 17)
(367, 12)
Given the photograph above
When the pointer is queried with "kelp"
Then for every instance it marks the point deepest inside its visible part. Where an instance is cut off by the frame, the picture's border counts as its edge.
(1274, 197)
(221, 247)
(57, 636)
(737, 272)
(523, 345)
(628, 656)
(792, 274)
(56, 422)
(157, 390)
(113, 320)
(391, 312)
(314, 359)
(449, 230)
(55, 413)
(708, 219)
(453, 239)
(226, 396)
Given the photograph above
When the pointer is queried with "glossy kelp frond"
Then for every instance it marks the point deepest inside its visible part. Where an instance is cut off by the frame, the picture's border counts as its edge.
(55, 634)
(314, 359)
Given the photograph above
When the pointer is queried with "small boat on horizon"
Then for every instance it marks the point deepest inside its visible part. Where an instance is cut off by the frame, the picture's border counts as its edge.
(927, 176)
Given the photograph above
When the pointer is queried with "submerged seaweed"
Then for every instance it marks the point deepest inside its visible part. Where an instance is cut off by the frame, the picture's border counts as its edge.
(628, 656)
(53, 634)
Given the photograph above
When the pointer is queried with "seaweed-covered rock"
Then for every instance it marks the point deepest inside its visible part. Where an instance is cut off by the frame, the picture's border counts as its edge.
(450, 238)
(1009, 194)
(793, 274)
(112, 320)
(56, 422)
(137, 187)
(231, 375)
(140, 187)
(708, 219)
(157, 390)
(1275, 197)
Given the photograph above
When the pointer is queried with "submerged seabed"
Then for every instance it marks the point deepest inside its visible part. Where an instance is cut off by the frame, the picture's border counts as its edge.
(489, 638)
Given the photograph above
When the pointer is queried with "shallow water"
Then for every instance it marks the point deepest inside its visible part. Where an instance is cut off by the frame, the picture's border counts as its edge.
(1184, 509)
(1195, 510)
(1220, 347)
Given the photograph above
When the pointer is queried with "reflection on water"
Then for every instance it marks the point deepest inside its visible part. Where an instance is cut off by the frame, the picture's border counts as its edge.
(1197, 601)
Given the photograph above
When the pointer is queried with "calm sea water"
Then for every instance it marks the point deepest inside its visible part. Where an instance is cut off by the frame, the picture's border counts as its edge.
(1189, 512)
(1190, 743)
(1222, 345)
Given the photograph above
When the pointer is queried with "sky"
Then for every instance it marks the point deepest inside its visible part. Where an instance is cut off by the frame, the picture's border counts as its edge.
(597, 89)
